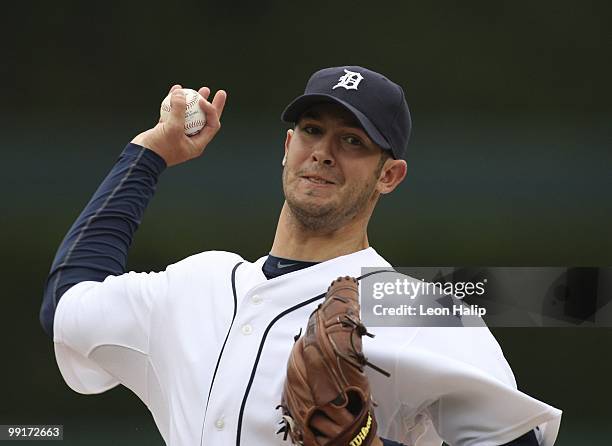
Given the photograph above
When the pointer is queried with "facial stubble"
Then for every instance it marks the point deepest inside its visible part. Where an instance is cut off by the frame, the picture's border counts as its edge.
(329, 217)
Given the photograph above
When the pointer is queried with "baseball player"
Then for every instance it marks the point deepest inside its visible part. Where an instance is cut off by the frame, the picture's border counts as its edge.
(204, 343)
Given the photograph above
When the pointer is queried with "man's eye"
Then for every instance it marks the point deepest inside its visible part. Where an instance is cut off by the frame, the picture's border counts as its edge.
(311, 130)
(353, 140)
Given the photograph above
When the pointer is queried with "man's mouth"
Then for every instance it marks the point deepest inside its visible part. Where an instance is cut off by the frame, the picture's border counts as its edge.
(317, 179)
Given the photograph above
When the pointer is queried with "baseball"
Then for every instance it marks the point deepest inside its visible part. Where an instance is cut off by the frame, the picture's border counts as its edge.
(195, 119)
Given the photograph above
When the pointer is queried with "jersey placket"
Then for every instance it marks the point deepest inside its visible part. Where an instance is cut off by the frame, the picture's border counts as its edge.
(235, 365)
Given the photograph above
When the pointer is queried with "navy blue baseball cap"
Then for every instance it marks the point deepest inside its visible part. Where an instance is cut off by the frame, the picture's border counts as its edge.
(376, 102)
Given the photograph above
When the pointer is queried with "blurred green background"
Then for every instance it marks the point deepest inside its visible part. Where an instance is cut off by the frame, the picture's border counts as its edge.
(509, 164)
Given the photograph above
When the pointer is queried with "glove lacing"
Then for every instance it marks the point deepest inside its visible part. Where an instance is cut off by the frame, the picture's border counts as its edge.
(357, 360)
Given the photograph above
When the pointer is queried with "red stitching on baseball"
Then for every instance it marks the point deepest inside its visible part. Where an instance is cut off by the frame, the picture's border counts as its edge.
(193, 101)
(194, 124)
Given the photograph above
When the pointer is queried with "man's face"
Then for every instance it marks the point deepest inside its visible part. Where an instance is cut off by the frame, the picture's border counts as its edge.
(331, 169)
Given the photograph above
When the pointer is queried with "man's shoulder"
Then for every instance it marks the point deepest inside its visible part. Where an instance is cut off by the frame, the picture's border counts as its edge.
(208, 259)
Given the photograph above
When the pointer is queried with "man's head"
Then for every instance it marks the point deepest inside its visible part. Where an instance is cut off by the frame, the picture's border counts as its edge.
(342, 153)
(377, 103)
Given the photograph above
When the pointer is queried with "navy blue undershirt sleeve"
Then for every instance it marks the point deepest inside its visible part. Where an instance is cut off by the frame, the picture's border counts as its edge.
(529, 439)
(97, 244)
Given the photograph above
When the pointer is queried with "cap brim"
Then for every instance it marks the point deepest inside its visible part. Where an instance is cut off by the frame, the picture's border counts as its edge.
(299, 105)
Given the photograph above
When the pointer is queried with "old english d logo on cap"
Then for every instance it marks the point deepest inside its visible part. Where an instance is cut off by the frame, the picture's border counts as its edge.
(350, 80)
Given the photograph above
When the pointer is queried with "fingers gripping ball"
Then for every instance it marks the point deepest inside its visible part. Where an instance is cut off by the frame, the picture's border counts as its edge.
(195, 119)
(326, 398)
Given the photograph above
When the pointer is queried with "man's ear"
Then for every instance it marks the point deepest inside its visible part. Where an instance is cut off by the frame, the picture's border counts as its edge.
(391, 175)
(287, 142)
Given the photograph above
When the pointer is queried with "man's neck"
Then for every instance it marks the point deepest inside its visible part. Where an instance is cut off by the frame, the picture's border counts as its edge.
(293, 241)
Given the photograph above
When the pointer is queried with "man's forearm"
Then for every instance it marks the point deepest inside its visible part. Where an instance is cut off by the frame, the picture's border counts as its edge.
(97, 244)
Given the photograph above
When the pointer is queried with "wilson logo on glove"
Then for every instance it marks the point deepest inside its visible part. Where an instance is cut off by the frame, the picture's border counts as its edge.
(358, 440)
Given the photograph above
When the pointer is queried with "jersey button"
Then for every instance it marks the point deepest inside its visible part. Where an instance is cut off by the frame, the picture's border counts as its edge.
(256, 299)
(220, 424)
(247, 329)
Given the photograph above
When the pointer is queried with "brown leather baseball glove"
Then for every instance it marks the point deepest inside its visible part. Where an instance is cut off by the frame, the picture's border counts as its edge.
(326, 397)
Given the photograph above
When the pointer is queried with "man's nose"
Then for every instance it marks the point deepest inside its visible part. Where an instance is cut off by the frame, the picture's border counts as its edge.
(323, 151)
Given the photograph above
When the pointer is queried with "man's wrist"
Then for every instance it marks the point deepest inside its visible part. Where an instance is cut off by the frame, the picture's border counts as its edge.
(150, 159)
(144, 140)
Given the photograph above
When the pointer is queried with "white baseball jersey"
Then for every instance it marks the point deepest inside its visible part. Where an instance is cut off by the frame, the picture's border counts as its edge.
(205, 344)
